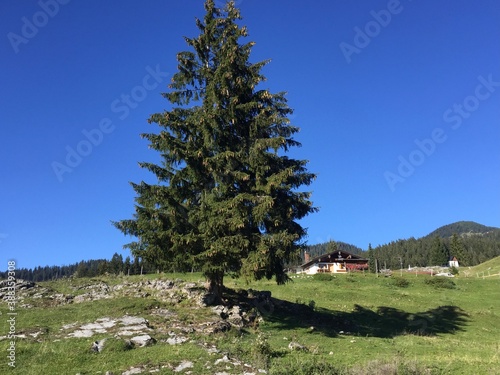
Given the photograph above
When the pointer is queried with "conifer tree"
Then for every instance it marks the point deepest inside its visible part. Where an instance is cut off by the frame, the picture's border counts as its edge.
(457, 249)
(227, 199)
(371, 259)
(439, 253)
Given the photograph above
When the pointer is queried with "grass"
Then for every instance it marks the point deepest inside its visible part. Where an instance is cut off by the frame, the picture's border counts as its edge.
(490, 267)
(349, 324)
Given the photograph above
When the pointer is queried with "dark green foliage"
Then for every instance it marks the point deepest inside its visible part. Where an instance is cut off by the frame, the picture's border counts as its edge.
(84, 268)
(439, 253)
(323, 277)
(116, 264)
(370, 254)
(461, 227)
(454, 271)
(400, 282)
(227, 198)
(305, 367)
(323, 248)
(441, 282)
(477, 248)
(457, 249)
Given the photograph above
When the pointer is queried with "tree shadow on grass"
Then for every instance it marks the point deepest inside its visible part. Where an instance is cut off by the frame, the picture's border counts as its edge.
(385, 322)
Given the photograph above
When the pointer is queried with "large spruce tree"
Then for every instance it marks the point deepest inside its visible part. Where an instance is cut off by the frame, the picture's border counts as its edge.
(457, 249)
(227, 199)
(439, 253)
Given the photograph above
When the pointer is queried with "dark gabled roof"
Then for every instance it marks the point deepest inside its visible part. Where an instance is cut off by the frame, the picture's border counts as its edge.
(336, 256)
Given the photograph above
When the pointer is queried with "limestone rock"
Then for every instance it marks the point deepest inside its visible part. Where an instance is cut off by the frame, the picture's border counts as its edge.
(143, 340)
(296, 346)
(183, 366)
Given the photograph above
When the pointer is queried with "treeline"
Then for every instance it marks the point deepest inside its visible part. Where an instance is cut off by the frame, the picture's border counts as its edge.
(86, 268)
(469, 250)
(331, 246)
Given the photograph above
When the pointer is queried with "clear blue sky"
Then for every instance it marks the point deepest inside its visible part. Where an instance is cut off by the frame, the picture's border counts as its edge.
(398, 105)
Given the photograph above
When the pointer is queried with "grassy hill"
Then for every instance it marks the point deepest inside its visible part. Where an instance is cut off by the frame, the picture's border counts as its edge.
(490, 267)
(350, 324)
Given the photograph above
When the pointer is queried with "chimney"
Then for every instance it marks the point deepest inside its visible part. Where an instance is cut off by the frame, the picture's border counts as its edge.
(307, 257)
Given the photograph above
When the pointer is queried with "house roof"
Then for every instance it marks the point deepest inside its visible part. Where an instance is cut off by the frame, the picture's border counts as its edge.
(336, 256)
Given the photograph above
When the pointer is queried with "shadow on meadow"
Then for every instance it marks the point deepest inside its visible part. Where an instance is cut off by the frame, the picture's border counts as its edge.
(385, 322)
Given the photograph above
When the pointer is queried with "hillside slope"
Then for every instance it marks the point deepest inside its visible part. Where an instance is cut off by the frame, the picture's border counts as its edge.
(491, 267)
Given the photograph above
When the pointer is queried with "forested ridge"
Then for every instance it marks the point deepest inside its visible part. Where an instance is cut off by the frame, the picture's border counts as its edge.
(327, 247)
(85, 268)
(471, 243)
(463, 228)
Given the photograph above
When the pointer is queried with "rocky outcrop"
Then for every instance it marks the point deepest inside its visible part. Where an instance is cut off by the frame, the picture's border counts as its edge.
(133, 332)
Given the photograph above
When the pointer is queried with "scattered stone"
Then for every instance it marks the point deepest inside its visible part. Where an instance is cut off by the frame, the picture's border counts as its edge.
(143, 340)
(163, 312)
(23, 285)
(221, 311)
(132, 320)
(132, 371)
(223, 359)
(235, 317)
(213, 350)
(183, 366)
(215, 327)
(247, 308)
(99, 328)
(175, 340)
(128, 326)
(82, 333)
(296, 346)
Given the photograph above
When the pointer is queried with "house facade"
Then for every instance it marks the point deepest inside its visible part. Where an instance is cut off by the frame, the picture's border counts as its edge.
(335, 262)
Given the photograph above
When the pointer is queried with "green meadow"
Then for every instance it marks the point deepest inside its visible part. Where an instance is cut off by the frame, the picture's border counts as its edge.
(345, 324)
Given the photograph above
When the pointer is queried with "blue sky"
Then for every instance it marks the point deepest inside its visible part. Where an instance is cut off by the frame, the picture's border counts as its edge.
(397, 101)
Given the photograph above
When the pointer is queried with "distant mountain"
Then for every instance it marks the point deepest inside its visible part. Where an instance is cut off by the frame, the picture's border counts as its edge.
(463, 228)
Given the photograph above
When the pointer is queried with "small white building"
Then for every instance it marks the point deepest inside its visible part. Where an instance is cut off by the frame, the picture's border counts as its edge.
(453, 262)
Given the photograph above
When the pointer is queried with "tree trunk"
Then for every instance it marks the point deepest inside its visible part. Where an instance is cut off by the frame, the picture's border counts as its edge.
(215, 285)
